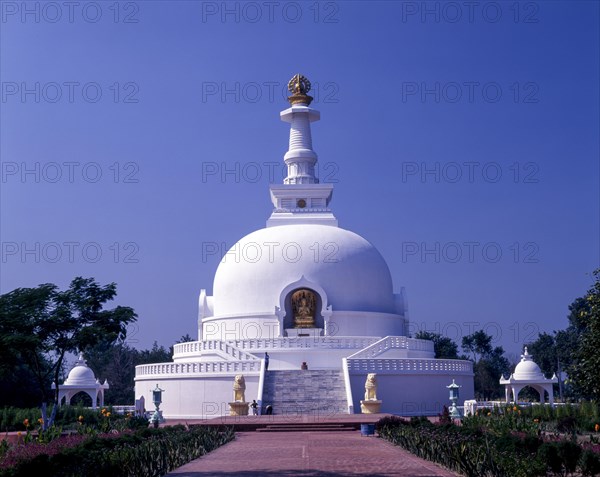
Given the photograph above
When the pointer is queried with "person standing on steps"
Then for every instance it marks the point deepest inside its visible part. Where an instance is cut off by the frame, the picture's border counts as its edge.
(254, 407)
(266, 361)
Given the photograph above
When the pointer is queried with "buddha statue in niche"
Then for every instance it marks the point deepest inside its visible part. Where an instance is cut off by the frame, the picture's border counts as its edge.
(303, 306)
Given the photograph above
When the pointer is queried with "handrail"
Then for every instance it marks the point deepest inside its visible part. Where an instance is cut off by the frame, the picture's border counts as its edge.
(192, 348)
(261, 385)
(348, 386)
(393, 342)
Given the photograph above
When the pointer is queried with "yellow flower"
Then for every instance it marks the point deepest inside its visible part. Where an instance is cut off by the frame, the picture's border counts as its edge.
(514, 408)
(19, 434)
(41, 421)
(80, 418)
(489, 413)
(536, 420)
(108, 414)
(597, 427)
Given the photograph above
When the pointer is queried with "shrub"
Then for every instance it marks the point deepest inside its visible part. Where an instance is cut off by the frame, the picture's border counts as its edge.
(589, 463)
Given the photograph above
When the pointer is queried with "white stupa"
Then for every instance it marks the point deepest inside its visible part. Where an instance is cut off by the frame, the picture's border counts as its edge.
(528, 373)
(81, 379)
(303, 290)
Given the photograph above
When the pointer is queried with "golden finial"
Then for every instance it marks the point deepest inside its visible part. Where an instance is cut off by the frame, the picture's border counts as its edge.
(299, 86)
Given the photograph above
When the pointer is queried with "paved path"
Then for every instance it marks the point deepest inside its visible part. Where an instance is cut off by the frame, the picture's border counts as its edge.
(291, 454)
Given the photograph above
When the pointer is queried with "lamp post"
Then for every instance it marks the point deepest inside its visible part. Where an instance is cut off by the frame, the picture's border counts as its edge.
(157, 399)
(453, 388)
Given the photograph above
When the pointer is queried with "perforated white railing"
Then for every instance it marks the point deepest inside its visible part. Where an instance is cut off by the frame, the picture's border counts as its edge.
(167, 370)
(409, 365)
(321, 342)
(226, 349)
(390, 342)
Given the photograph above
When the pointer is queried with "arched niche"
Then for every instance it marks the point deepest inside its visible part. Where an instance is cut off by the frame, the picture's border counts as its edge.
(303, 309)
(291, 306)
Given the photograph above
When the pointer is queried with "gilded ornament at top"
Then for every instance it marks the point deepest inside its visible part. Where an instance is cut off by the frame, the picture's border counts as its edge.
(299, 86)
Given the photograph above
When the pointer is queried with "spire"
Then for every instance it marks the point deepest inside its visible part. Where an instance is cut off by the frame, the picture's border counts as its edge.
(301, 199)
(81, 360)
(300, 157)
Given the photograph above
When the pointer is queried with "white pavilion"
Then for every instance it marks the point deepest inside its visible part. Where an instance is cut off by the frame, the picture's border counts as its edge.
(312, 295)
(82, 379)
(528, 373)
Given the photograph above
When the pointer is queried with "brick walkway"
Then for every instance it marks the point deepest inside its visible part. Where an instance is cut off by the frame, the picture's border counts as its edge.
(328, 454)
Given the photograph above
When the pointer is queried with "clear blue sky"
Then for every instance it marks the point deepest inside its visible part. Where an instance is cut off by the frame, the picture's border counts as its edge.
(118, 119)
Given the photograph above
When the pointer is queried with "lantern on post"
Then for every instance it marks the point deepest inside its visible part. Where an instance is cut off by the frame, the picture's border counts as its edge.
(157, 399)
(453, 388)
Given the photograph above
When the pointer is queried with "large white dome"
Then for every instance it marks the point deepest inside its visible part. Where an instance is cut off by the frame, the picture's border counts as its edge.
(255, 271)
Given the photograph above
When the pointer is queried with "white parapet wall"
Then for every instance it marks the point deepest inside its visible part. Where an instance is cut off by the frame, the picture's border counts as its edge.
(196, 390)
(411, 387)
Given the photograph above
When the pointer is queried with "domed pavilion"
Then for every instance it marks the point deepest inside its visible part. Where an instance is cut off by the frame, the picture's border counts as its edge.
(82, 379)
(304, 310)
(528, 373)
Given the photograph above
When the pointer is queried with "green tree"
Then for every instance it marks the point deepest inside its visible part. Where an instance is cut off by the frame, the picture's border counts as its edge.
(489, 363)
(560, 351)
(584, 372)
(544, 351)
(44, 324)
(443, 346)
(158, 354)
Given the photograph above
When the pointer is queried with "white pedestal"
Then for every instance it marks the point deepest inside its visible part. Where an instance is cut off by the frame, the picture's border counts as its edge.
(303, 332)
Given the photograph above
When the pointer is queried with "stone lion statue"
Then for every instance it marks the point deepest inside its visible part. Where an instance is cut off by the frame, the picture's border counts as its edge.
(371, 387)
(239, 388)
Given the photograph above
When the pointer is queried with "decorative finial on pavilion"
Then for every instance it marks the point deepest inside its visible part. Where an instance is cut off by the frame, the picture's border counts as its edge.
(299, 86)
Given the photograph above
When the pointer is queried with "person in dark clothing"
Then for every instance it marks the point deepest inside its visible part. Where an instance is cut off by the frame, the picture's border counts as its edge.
(269, 409)
(266, 361)
(254, 407)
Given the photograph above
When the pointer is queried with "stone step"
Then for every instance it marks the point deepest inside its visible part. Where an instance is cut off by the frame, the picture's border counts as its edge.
(299, 427)
(305, 391)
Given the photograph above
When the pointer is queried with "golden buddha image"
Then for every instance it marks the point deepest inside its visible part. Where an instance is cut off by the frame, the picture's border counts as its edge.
(303, 306)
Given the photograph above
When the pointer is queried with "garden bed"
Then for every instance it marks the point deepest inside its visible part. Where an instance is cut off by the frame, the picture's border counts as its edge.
(144, 452)
(504, 442)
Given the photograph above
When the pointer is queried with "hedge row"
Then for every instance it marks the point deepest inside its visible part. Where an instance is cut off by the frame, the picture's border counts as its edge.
(145, 453)
(477, 453)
